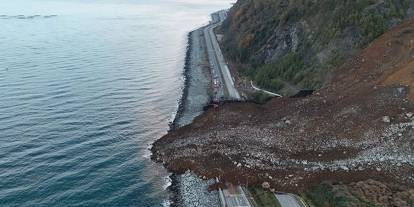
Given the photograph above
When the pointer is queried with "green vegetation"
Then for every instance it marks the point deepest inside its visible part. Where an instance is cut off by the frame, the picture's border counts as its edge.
(260, 97)
(300, 42)
(264, 198)
(326, 195)
(270, 76)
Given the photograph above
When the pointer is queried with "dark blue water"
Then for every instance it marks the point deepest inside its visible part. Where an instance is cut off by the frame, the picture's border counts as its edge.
(84, 93)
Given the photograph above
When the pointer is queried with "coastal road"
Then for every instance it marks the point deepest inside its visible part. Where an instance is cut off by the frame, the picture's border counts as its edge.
(234, 196)
(216, 58)
(287, 200)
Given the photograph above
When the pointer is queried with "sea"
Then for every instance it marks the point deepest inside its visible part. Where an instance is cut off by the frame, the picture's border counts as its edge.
(85, 87)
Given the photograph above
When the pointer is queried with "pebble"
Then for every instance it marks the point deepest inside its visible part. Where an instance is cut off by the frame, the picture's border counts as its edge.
(344, 168)
(386, 119)
(265, 185)
(193, 191)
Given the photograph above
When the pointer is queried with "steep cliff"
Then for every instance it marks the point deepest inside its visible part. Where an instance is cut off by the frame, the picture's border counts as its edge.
(299, 42)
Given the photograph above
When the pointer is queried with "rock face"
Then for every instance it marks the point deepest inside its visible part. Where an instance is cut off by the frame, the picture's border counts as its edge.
(322, 34)
(337, 134)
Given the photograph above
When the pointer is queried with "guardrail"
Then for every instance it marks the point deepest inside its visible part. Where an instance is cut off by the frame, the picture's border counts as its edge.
(264, 91)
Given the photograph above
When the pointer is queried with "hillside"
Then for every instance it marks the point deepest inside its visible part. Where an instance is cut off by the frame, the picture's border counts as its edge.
(298, 43)
(359, 126)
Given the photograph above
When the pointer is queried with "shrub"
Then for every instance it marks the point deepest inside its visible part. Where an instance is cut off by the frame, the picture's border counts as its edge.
(260, 97)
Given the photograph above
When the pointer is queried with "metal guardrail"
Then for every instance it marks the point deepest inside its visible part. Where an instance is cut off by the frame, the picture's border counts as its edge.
(264, 91)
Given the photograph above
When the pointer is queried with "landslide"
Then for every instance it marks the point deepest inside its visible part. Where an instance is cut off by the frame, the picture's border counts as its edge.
(359, 126)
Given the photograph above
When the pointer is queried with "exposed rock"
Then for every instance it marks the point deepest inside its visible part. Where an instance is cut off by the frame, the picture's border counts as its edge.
(265, 185)
(386, 119)
(263, 32)
(344, 168)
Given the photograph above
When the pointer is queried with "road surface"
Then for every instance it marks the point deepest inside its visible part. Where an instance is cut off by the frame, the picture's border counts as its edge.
(216, 59)
(235, 197)
(287, 200)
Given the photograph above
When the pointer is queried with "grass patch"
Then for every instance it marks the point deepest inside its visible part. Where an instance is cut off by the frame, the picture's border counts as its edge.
(260, 97)
(326, 195)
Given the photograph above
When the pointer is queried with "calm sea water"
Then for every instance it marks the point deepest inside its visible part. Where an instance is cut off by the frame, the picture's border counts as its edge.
(84, 93)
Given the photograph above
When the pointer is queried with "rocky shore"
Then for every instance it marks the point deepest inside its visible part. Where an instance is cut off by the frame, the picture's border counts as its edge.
(188, 189)
(197, 81)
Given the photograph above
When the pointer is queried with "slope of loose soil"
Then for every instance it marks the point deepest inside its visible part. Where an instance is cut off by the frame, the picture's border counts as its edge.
(357, 127)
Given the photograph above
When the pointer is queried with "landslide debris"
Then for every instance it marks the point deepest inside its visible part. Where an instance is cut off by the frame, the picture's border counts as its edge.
(359, 126)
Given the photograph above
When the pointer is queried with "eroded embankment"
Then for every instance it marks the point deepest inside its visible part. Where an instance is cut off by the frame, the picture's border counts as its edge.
(359, 126)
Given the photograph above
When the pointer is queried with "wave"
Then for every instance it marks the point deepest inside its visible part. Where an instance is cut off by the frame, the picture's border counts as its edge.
(166, 203)
(147, 153)
(167, 181)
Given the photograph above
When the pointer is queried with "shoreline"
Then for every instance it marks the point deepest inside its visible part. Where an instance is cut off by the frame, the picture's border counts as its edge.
(188, 189)
(180, 109)
(174, 187)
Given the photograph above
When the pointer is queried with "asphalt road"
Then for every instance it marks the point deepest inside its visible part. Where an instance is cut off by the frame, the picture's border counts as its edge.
(235, 199)
(287, 200)
(216, 58)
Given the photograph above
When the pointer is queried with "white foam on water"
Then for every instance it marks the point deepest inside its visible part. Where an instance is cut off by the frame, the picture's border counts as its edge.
(147, 153)
(166, 203)
(167, 182)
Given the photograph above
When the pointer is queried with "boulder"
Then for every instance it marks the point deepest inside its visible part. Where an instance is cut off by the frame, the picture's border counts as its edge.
(265, 185)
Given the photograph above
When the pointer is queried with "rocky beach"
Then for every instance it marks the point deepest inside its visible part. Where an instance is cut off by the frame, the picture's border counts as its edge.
(188, 189)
